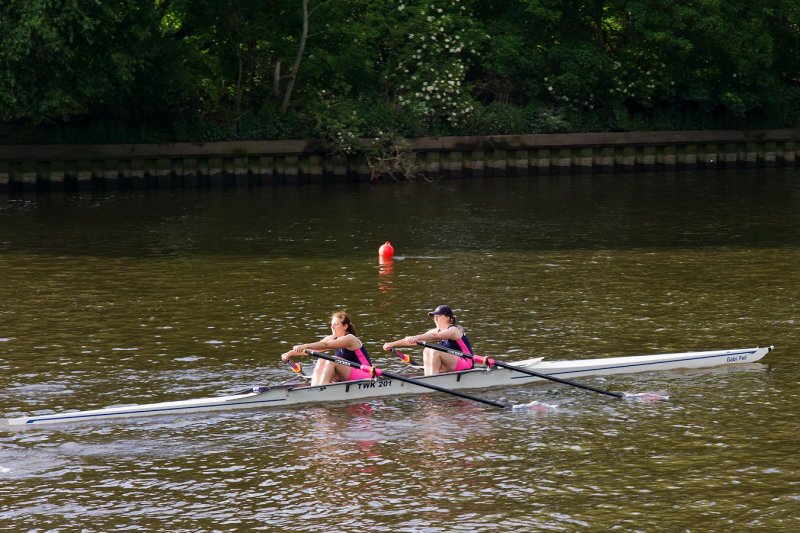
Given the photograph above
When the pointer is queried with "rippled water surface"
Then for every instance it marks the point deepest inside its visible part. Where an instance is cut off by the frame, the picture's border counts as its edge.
(134, 297)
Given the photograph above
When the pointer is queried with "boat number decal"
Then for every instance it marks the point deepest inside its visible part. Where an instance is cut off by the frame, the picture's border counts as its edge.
(737, 358)
(373, 384)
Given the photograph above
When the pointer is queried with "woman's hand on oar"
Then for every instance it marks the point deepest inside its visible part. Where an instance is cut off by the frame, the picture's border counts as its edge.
(488, 361)
(377, 372)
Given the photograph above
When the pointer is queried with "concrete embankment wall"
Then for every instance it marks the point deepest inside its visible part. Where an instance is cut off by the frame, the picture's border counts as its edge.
(252, 163)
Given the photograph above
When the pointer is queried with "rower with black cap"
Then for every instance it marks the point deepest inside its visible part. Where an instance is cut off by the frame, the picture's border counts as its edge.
(449, 335)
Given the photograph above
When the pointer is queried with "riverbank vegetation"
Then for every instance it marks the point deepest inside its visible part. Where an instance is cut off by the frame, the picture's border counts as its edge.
(340, 70)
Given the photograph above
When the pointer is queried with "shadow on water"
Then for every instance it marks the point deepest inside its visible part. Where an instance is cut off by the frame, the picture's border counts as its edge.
(686, 210)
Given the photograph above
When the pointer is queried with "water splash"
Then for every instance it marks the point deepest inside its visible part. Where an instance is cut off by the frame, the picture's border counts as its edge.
(535, 406)
(646, 397)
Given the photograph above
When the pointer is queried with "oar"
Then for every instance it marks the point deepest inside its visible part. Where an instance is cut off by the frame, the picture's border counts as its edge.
(404, 357)
(297, 368)
(488, 361)
(378, 372)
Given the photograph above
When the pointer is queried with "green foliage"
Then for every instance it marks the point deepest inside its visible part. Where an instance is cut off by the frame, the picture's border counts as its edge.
(63, 59)
(501, 119)
(429, 63)
(202, 70)
(580, 75)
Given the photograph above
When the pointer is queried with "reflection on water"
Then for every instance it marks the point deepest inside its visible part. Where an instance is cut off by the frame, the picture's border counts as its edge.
(132, 297)
(385, 275)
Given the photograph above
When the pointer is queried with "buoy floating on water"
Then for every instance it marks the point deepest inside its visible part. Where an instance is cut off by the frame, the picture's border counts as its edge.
(386, 250)
(386, 262)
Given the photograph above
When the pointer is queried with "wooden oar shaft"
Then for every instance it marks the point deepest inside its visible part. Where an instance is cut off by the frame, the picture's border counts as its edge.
(378, 372)
(488, 361)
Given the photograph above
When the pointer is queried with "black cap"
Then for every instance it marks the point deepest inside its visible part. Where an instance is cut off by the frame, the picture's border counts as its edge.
(442, 310)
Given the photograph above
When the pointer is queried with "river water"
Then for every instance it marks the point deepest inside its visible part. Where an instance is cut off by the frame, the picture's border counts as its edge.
(130, 297)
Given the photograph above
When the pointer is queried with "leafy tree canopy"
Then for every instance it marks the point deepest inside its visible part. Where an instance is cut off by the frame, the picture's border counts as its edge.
(340, 69)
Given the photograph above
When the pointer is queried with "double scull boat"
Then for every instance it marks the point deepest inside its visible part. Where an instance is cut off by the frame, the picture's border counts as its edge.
(478, 378)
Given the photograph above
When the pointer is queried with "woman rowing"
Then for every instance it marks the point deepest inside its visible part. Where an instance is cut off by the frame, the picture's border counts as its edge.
(346, 345)
(449, 335)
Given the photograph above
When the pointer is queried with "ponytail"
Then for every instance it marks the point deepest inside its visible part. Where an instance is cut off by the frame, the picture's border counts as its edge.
(345, 319)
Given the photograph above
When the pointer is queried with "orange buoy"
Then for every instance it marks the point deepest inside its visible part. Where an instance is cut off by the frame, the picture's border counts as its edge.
(386, 250)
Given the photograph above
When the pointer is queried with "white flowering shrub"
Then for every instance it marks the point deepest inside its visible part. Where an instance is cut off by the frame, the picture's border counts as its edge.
(430, 73)
(641, 76)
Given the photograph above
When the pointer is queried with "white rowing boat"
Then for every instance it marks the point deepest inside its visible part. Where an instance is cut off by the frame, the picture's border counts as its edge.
(292, 394)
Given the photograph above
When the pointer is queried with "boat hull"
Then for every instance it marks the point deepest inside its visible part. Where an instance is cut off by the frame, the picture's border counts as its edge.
(282, 395)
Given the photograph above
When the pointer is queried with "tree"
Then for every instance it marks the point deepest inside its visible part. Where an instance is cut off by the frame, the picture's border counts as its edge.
(427, 56)
(705, 55)
(68, 58)
(354, 68)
